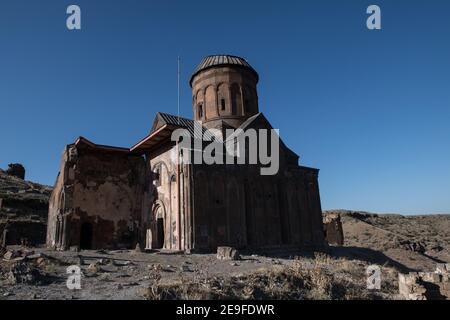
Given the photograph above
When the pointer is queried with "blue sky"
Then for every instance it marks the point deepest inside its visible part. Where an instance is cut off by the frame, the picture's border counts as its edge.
(371, 109)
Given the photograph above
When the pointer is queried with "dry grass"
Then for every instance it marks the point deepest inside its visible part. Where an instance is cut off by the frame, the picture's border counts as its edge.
(320, 278)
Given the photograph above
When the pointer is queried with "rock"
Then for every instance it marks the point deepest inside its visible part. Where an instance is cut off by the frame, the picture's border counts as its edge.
(34, 256)
(22, 273)
(138, 248)
(104, 261)
(93, 268)
(131, 284)
(227, 253)
(74, 249)
(105, 277)
(185, 268)
(277, 262)
(10, 255)
(16, 170)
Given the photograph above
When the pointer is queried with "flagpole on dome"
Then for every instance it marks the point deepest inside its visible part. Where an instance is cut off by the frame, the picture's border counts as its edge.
(178, 95)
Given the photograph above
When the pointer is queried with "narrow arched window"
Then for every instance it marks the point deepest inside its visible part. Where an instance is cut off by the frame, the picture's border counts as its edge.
(200, 111)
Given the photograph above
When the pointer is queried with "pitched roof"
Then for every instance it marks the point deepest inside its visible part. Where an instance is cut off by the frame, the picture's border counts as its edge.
(162, 128)
(82, 141)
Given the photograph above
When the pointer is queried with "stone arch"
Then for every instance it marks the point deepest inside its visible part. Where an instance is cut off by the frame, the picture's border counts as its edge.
(293, 214)
(210, 102)
(235, 216)
(236, 99)
(249, 100)
(220, 221)
(202, 225)
(163, 172)
(159, 218)
(223, 99)
(199, 106)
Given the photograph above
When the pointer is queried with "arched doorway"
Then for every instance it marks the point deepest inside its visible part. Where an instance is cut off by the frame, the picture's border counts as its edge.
(159, 226)
(160, 233)
(86, 233)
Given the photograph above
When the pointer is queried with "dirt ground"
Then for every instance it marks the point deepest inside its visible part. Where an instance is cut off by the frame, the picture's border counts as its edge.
(395, 243)
(135, 275)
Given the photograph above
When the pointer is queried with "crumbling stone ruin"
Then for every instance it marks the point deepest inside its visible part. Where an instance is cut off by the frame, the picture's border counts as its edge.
(334, 232)
(426, 285)
(110, 197)
(16, 170)
(23, 211)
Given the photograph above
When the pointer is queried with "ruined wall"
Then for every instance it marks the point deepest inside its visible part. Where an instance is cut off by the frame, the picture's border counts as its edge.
(61, 201)
(97, 201)
(334, 232)
(426, 285)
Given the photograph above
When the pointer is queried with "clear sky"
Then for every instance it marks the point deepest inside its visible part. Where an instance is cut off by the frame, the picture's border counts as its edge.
(371, 109)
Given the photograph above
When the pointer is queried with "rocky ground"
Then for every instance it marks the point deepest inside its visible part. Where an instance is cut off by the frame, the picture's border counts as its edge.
(415, 243)
(41, 274)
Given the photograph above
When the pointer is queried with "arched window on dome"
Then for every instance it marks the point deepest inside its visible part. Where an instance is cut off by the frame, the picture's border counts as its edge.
(200, 111)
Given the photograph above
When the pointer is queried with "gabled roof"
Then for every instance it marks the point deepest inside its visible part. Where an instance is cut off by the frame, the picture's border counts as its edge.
(81, 141)
(250, 122)
(163, 126)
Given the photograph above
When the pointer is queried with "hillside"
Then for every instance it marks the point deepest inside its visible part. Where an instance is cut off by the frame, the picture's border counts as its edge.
(415, 242)
(23, 210)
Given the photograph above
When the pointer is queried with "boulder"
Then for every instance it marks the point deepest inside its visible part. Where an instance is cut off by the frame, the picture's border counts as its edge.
(227, 253)
(16, 170)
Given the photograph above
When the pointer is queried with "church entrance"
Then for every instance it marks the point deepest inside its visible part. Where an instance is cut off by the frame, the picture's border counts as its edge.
(156, 237)
(86, 233)
(160, 233)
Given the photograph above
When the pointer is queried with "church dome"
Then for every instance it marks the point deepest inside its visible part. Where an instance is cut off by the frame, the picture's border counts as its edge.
(222, 60)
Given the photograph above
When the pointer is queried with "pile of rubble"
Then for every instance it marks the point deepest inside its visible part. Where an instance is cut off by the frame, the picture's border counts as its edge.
(426, 285)
(23, 267)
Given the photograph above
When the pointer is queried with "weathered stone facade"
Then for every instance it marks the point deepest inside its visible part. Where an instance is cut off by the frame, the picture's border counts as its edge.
(97, 201)
(116, 197)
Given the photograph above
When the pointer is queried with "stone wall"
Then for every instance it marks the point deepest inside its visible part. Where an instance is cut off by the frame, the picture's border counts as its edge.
(236, 206)
(426, 285)
(168, 221)
(97, 201)
(334, 232)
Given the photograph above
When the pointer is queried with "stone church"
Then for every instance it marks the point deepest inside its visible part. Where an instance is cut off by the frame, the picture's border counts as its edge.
(110, 197)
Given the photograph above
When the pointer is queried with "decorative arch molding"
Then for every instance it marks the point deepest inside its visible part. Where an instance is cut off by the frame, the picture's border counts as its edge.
(156, 213)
